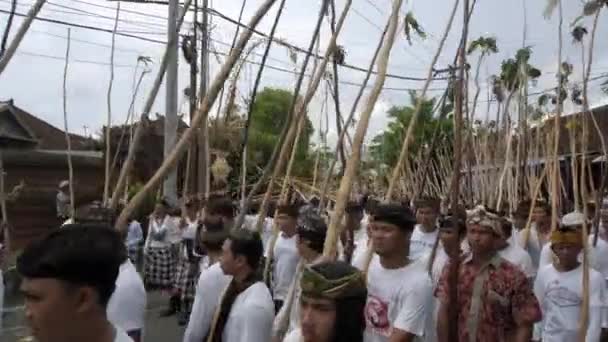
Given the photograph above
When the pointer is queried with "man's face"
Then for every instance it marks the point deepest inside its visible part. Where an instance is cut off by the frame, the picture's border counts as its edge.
(318, 317)
(481, 239)
(540, 217)
(286, 223)
(450, 240)
(567, 253)
(50, 309)
(228, 261)
(387, 238)
(160, 210)
(426, 216)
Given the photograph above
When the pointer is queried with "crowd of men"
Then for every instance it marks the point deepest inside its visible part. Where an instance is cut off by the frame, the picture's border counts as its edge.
(402, 273)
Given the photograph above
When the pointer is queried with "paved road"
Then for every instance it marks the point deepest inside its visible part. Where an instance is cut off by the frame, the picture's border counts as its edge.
(157, 329)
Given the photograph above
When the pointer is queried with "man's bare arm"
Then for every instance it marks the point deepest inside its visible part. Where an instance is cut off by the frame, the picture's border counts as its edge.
(442, 323)
(401, 336)
(523, 333)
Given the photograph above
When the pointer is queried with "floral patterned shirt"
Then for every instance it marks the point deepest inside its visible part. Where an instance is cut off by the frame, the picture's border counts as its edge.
(492, 300)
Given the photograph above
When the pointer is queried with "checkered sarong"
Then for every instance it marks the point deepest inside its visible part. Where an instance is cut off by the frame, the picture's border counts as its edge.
(160, 267)
(186, 277)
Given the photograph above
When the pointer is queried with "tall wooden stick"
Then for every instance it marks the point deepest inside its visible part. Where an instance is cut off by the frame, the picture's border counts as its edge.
(139, 131)
(206, 104)
(65, 124)
(106, 185)
(555, 191)
(353, 110)
(409, 135)
(12, 48)
(352, 164)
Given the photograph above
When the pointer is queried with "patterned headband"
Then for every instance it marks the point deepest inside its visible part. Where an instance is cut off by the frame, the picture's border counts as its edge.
(479, 216)
(316, 285)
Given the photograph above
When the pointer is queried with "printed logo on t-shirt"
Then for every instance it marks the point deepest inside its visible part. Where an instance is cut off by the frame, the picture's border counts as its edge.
(376, 316)
(562, 296)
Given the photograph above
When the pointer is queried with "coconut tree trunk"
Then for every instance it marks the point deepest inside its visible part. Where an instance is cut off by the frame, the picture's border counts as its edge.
(106, 185)
(352, 164)
(353, 110)
(412, 125)
(141, 126)
(65, 124)
(206, 104)
(12, 48)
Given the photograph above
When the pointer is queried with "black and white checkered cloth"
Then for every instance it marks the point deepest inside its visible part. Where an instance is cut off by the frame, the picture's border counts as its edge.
(160, 267)
(186, 277)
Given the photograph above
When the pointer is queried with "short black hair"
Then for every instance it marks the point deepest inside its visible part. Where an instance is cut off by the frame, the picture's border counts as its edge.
(220, 205)
(396, 214)
(248, 244)
(78, 254)
(212, 240)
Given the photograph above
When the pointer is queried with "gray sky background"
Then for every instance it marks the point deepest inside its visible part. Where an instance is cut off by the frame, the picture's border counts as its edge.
(35, 75)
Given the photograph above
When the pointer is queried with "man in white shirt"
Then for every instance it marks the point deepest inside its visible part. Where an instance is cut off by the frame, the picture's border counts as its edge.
(134, 240)
(399, 289)
(245, 311)
(539, 233)
(285, 255)
(211, 283)
(311, 232)
(62, 201)
(558, 288)
(425, 233)
(332, 302)
(127, 306)
(512, 252)
(68, 278)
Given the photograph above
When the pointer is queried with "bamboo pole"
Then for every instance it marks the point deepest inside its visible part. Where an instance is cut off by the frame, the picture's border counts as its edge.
(250, 109)
(555, 191)
(139, 131)
(12, 48)
(5, 225)
(206, 104)
(353, 110)
(353, 162)
(301, 107)
(65, 124)
(106, 185)
(412, 124)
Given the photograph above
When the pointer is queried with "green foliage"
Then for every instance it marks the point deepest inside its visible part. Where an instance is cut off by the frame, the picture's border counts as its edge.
(386, 146)
(511, 75)
(269, 114)
(486, 45)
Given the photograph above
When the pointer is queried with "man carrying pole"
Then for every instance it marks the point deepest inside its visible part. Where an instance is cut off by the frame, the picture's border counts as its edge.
(495, 299)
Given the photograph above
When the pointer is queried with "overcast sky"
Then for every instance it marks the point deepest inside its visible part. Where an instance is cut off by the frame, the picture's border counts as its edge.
(35, 75)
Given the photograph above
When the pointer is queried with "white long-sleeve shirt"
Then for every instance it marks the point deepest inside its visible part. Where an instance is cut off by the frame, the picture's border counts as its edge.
(134, 235)
(209, 289)
(251, 316)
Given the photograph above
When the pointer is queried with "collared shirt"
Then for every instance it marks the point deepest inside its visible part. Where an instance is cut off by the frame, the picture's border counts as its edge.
(492, 300)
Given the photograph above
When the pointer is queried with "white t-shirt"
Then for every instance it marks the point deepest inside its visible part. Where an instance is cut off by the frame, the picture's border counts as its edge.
(600, 256)
(396, 298)
(209, 289)
(441, 259)
(535, 244)
(251, 316)
(294, 336)
(121, 336)
(361, 240)
(285, 259)
(422, 243)
(189, 231)
(127, 306)
(560, 297)
(516, 255)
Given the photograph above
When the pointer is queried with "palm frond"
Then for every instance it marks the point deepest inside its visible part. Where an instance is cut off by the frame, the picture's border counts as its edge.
(578, 33)
(591, 7)
(411, 25)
